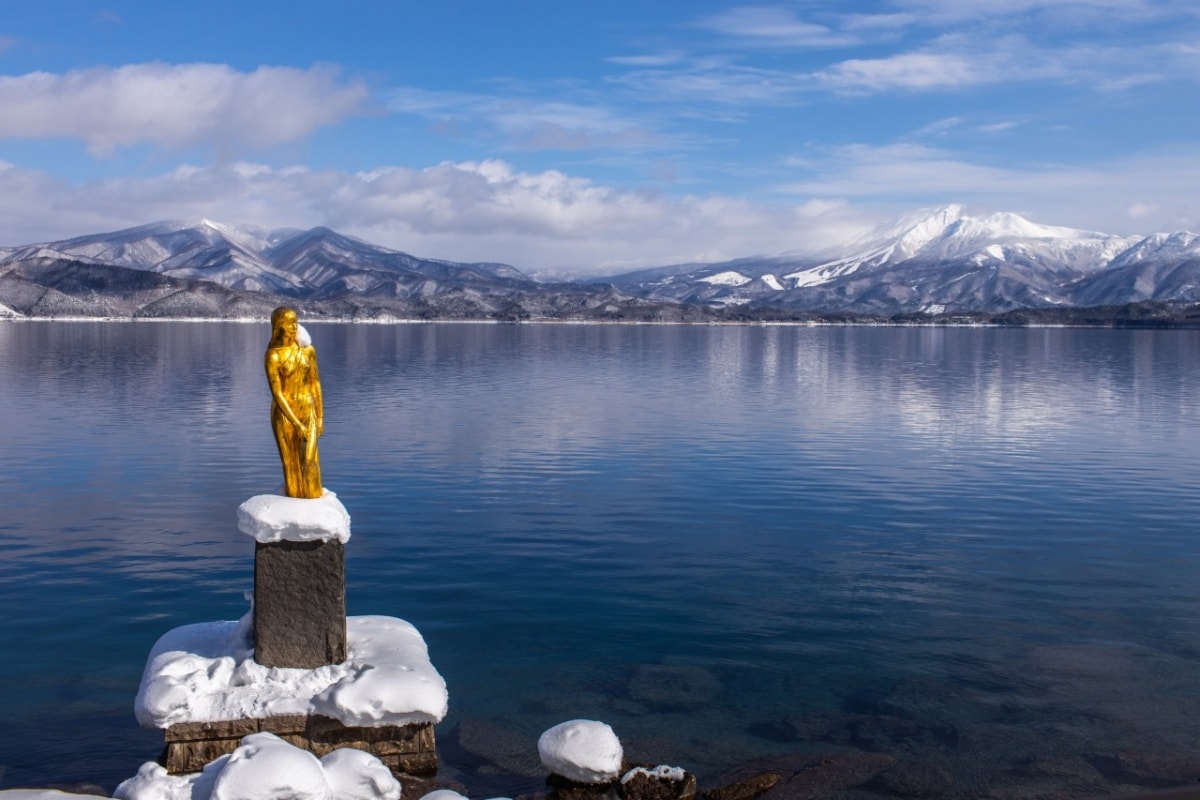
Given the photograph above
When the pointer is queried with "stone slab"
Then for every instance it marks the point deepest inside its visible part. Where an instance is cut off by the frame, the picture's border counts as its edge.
(404, 749)
(299, 604)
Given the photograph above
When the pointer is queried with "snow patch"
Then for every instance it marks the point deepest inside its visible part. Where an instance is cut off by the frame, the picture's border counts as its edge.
(206, 672)
(728, 278)
(662, 772)
(271, 518)
(771, 281)
(582, 750)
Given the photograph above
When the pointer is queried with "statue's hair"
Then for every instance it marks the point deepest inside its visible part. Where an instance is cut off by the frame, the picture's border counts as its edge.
(278, 317)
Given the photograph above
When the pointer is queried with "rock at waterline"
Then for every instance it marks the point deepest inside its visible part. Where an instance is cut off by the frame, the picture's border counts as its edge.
(658, 783)
(582, 750)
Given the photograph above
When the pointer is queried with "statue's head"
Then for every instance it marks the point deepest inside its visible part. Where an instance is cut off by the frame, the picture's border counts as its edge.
(285, 322)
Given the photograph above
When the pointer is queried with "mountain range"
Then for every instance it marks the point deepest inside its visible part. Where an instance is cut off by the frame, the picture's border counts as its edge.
(935, 262)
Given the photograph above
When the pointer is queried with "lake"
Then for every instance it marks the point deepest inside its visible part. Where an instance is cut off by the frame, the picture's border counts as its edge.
(972, 549)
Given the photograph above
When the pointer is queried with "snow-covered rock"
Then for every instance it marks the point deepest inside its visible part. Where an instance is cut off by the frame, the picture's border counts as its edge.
(272, 518)
(206, 673)
(358, 775)
(582, 750)
(266, 767)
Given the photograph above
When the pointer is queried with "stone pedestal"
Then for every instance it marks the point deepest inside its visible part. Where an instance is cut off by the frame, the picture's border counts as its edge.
(299, 604)
(299, 578)
(404, 749)
(364, 682)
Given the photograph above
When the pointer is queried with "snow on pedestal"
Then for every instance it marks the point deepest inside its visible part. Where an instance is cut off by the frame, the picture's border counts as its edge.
(582, 750)
(265, 767)
(206, 673)
(269, 518)
(202, 686)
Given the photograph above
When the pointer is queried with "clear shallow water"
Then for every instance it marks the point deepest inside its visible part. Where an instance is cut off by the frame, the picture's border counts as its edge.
(965, 547)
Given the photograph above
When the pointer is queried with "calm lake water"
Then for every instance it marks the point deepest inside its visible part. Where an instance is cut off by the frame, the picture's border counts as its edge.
(972, 549)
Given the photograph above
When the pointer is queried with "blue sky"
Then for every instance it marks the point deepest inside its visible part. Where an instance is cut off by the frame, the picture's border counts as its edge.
(589, 137)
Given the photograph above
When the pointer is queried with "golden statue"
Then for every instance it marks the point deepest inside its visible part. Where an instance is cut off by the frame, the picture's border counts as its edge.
(297, 412)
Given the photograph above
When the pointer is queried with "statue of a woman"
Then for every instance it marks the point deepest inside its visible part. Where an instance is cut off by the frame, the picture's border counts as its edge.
(297, 413)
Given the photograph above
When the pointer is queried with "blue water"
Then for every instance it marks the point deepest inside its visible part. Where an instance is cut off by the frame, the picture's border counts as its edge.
(974, 548)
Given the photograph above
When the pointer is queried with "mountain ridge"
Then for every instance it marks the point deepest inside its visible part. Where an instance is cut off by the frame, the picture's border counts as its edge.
(932, 261)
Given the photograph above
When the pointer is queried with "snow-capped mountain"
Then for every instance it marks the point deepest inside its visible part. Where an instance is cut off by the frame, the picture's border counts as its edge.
(939, 260)
(207, 269)
(943, 259)
(316, 262)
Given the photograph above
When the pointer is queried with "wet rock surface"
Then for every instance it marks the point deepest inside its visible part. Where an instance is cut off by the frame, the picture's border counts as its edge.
(746, 789)
(567, 789)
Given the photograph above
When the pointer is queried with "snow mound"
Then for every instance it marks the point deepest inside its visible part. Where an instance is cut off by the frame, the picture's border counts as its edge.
(207, 673)
(271, 518)
(266, 767)
(582, 750)
(358, 775)
(443, 794)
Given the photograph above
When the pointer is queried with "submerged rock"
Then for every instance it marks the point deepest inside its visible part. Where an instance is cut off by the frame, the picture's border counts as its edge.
(747, 789)
(673, 687)
(912, 779)
(500, 746)
(1156, 768)
(807, 776)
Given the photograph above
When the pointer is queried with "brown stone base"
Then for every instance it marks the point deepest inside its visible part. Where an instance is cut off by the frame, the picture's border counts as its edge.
(404, 749)
(299, 604)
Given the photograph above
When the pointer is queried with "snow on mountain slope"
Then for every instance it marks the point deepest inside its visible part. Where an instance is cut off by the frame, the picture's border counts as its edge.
(727, 278)
(948, 234)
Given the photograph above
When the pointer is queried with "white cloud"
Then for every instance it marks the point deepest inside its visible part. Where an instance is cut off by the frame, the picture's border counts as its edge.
(176, 105)
(662, 59)
(716, 82)
(1096, 196)
(772, 26)
(528, 122)
(905, 71)
(1074, 11)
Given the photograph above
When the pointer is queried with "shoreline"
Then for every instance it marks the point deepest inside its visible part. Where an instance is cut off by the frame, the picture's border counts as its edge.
(1115, 325)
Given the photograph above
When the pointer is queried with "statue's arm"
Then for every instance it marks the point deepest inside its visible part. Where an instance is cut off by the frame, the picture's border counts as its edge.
(318, 398)
(276, 384)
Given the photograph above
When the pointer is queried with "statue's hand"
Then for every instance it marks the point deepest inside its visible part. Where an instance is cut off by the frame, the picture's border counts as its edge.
(320, 427)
